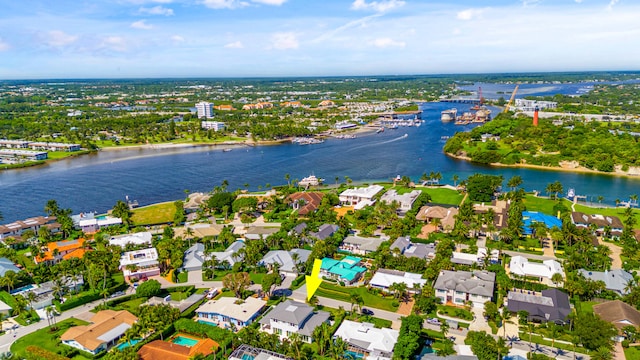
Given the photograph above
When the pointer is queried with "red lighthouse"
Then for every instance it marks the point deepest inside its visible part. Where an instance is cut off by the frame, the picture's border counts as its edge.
(535, 117)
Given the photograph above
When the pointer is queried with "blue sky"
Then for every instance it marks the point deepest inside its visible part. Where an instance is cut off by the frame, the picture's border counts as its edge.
(227, 38)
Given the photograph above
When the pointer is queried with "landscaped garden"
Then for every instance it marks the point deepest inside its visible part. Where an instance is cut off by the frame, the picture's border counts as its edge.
(154, 214)
(342, 293)
(49, 341)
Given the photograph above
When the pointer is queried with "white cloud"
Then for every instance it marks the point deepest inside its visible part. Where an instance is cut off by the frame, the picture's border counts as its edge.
(157, 10)
(469, 14)
(387, 42)
(224, 4)
(3, 45)
(177, 38)
(234, 45)
(578, 1)
(284, 41)
(530, 2)
(378, 6)
(140, 2)
(57, 38)
(612, 3)
(270, 2)
(142, 25)
(115, 43)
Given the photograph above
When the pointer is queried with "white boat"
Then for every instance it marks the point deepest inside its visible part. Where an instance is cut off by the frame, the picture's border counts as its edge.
(311, 180)
(227, 150)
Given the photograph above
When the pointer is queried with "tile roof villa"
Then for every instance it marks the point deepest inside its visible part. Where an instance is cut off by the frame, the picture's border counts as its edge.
(108, 326)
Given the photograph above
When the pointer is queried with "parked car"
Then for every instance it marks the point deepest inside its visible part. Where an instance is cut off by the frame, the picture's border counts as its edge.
(366, 311)
(434, 321)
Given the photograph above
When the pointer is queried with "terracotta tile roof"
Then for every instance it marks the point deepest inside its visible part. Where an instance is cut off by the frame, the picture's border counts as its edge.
(311, 201)
(103, 322)
(166, 350)
(63, 247)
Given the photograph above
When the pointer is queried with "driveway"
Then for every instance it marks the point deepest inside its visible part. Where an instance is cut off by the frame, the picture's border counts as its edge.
(616, 251)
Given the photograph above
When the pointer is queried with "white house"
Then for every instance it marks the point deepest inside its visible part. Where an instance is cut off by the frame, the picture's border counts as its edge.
(458, 287)
(293, 317)
(384, 278)
(360, 245)
(141, 238)
(360, 197)
(365, 339)
(107, 327)
(140, 264)
(230, 312)
(404, 201)
(285, 259)
(542, 271)
(95, 224)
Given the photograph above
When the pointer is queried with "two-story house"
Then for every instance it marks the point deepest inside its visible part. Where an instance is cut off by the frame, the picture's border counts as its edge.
(459, 287)
(293, 317)
(140, 264)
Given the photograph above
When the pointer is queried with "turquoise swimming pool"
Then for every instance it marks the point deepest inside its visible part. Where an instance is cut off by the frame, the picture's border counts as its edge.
(184, 341)
(127, 344)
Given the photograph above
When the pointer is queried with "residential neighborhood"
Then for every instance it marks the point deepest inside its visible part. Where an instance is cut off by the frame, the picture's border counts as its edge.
(401, 277)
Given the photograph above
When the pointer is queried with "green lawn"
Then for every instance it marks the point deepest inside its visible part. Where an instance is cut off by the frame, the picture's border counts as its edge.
(132, 305)
(256, 277)
(585, 306)
(632, 353)
(177, 296)
(154, 214)
(338, 292)
(456, 312)
(45, 339)
(543, 205)
(444, 196)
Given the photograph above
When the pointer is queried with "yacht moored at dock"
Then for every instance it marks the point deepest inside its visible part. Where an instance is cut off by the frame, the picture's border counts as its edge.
(449, 115)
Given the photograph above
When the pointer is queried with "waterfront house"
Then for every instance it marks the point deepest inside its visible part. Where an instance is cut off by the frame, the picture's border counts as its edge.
(347, 270)
(360, 245)
(138, 239)
(542, 272)
(140, 264)
(305, 202)
(290, 317)
(500, 209)
(404, 201)
(94, 225)
(460, 287)
(288, 266)
(548, 305)
(360, 197)
(62, 250)
(54, 146)
(384, 278)
(614, 280)
(230, 312)
(367, 341)
(15, 229)
(602, 225)
(107, 327)
(168, 350)
(407, 248)
(445, 217)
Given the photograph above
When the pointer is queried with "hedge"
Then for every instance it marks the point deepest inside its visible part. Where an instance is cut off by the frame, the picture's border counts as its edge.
(81, 300)
(222, 336)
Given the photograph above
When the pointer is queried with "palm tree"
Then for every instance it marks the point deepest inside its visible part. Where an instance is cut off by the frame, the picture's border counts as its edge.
(287, 177)
(602, 353)
(557, 278)
(455, 179)
(444, 328)
(9, 280)
(553, 332)
(357, 300)
(337, 348)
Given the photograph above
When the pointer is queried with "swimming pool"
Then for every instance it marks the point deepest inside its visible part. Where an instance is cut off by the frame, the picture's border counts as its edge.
(207, 323)
(22, 289)
(184, 341)
(127, 344)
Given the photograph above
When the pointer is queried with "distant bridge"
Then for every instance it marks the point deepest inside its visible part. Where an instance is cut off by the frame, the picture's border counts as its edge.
(462, 100)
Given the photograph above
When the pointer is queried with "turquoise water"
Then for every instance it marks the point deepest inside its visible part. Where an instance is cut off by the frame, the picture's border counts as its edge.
(426, 349)
(101, 217)
(184, 341)
(125, 345)
(207, 323)
(353, 355)
(248, 357)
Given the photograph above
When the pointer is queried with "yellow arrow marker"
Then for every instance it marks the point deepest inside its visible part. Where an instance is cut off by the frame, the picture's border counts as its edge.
(314, 280)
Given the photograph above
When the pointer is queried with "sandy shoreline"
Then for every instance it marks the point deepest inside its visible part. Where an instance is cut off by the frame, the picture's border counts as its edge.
(576, 170)
(228, 144)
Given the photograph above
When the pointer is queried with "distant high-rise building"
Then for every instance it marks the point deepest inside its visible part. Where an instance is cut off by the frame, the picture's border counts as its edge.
(205, 110)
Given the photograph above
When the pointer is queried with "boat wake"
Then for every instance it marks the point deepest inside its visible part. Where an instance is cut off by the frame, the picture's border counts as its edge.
(379, 143)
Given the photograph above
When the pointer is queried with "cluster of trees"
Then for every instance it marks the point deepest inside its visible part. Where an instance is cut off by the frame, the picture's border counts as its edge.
(594, 145)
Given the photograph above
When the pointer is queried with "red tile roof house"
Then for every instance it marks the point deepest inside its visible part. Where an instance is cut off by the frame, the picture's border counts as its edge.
(305, 202)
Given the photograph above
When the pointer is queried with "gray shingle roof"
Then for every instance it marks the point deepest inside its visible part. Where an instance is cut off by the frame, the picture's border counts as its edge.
(615, 280)
(476, 282)
(551, 305)
(297, 313)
